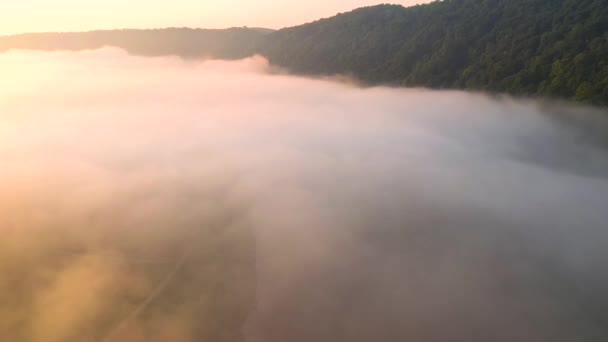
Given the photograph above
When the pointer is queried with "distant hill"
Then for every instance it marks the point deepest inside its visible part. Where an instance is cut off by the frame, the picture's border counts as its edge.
(556, 48)
(230, 43)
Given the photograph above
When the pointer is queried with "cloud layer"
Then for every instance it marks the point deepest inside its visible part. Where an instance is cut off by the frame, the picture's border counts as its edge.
(159, 199)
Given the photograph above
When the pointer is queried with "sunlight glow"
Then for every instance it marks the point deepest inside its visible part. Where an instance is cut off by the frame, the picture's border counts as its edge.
(76, 15)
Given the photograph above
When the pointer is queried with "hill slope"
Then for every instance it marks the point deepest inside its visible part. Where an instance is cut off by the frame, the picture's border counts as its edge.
(524, 47)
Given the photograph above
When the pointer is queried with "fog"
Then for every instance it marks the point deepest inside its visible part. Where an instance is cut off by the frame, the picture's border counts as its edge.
(156, 199)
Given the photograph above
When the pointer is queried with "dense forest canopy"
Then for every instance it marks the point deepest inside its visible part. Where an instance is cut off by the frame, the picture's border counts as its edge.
(524, 47)
(555, 48)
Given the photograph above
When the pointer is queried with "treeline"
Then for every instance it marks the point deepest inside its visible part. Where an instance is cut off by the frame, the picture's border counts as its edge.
(555, 48)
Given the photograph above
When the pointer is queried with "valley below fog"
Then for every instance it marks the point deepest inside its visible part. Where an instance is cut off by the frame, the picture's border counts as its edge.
(161, 199)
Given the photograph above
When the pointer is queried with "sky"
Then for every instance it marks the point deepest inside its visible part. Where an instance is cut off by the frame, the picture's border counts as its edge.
(77, 15)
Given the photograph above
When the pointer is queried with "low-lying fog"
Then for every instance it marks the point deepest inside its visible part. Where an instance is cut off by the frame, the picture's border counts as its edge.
(168, 200)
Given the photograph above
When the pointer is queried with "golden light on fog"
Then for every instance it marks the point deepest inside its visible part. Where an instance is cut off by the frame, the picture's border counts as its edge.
(277, 206)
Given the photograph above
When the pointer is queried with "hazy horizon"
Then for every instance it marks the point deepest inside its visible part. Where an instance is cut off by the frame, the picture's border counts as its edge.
(77, 16)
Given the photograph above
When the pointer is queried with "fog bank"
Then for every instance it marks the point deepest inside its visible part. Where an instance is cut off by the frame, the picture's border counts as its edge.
(156, 199)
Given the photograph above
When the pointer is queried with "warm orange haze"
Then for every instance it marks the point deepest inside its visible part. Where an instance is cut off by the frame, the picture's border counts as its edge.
(75, 15)
(159, 199)
(433, 173)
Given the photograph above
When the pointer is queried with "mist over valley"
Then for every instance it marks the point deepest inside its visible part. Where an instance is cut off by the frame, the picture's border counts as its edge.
(169, 199)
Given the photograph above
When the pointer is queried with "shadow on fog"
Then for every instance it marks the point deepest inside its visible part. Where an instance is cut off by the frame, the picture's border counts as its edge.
(162, 200)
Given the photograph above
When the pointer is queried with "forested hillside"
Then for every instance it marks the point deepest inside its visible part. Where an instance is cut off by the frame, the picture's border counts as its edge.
(524, 47)
(555, 48)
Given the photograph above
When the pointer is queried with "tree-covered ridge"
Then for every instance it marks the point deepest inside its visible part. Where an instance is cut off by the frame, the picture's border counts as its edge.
(524, 47)
(185, 42)
(555, 48)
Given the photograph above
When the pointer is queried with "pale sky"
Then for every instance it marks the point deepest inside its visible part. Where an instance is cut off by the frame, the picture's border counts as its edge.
(18, 16)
